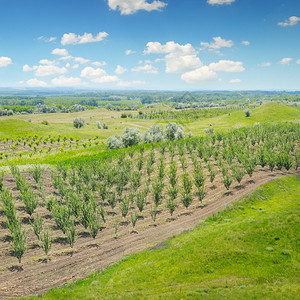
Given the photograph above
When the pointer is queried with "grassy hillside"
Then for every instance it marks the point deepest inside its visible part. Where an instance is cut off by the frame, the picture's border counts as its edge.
(250, 251)
(267, 113)
(62, 124)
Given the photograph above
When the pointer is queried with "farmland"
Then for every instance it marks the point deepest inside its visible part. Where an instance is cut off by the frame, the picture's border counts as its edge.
(71, 206)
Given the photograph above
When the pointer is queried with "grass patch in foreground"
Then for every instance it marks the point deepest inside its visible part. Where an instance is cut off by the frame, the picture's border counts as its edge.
(248, 251)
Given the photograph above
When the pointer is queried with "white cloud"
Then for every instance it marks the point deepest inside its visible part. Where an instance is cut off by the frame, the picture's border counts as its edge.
(91, 73)
(146, 69)
(47, 40)
(179, 58)
(48, 70)
(292, 21)
(98, 75)
(285, 61)
(200, 75)
(219, 2)
(227, 66)
(245, 43)
(128, 52)
(106, 79)
(5, 61)
(74, 39)
(120, 70)
(68, 65)
(66, 81)
(131, 83)
(265, 64)
(36, 83)
(76, 66)
(298, 62)
(60, 52)
(218, 43)
(26, 68)
(99, 63)
(81, 60)
(47, 62)
(128, 7)
(235, 80)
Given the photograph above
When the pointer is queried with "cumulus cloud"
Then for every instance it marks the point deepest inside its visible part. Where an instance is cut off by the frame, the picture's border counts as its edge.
(235, 80)
(5, 61)
(74, 39)
(220, 2)
(200, 75)
(60, 52)
(128, 52)
(98, 75)
(292, 21)
(99, 63)
(298, 62)
(245, 43)
(27, 68)
(48, 70)
(128, 7)
(178, 58)
(285, 61)
(66, 81)
(36, 83)
(146, 69)
(227, 66)
(265, 64)
(120, 70)
(81, 60)
(76, 66)
(131, 83)
(217, 44)
(47, 62)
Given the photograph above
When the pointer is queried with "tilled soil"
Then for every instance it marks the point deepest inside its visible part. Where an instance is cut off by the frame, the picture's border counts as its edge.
(66, 265)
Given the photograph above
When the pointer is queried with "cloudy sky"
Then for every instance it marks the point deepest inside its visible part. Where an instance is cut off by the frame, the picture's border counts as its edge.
(151, 44)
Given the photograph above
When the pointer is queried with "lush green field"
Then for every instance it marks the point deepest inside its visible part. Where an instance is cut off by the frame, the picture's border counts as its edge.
(62, 125)
(249, 251)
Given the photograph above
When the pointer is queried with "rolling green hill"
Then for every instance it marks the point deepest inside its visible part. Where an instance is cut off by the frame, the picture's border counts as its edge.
(249, 251)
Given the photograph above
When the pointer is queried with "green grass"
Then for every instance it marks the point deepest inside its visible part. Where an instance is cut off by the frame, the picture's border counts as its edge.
(248, 251)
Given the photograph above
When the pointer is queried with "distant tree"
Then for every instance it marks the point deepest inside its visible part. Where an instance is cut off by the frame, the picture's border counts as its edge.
(78, 122)
(247, 112)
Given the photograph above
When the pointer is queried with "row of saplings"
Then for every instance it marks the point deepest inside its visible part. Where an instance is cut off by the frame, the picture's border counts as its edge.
(120, 182)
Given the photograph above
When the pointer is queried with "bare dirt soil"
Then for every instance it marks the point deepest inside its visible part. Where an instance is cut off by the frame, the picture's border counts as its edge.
(66, 265)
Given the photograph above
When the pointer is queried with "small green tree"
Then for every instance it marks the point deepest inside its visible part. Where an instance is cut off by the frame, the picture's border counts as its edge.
(37, 225)
(46, 242)
(18, 242)
(71, 233)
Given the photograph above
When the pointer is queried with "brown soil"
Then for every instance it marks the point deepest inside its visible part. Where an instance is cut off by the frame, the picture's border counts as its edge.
(66, 265)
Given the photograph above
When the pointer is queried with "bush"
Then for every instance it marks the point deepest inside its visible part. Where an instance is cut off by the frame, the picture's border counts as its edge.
(78, 122)
(105, 126)
(131, 136)
(154, 134)
(45, 123)
(114, 142)
(98, 124)
(174, 131)
(247, 112)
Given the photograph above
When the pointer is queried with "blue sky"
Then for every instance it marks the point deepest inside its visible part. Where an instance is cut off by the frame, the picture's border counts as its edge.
(162, 44)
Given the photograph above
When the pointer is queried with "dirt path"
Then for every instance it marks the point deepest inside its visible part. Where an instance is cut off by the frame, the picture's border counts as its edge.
(38, 276)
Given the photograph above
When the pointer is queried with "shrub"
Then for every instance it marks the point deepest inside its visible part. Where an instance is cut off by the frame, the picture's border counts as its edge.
(130, 137)
(114, 142)
(171, 205)
(134, 218)
(209, 131)
(247, 112)
(105, 126)
(154, 134)
(98, 124)
(45, 122)
(174, 131)
(78, 122)
(30, 200)
(94, 224)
